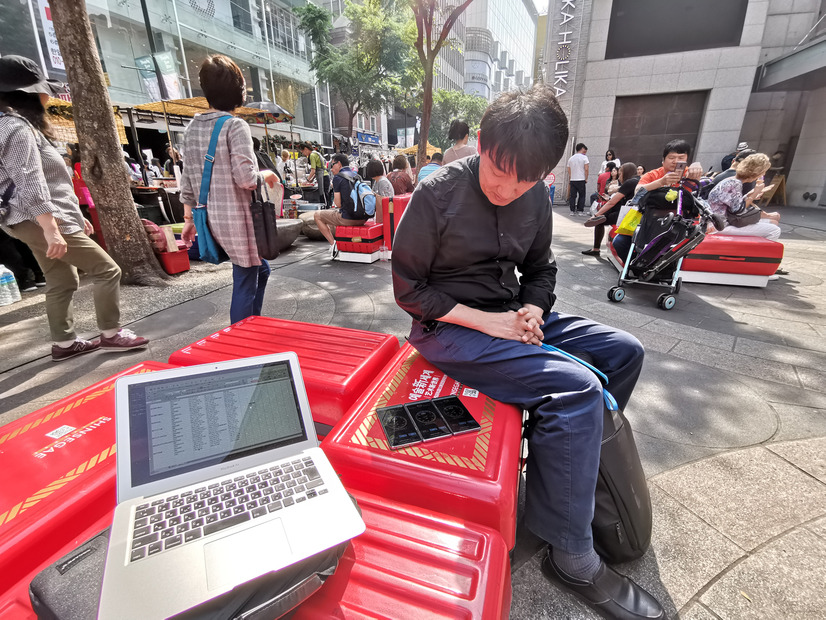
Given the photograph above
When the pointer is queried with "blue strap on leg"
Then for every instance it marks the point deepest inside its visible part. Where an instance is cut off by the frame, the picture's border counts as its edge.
(609, 399)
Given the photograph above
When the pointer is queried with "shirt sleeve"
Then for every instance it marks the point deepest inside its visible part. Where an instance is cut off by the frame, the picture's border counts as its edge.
(21, 161)
(187, 176)
(242, 158)
(539, 268)
(414, 249)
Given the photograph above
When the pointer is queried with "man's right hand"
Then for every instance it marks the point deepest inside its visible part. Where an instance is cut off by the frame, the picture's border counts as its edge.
(671, 178)
(522, 325)
(57, 245)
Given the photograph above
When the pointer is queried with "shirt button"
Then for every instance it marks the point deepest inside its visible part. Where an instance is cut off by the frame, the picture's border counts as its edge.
(501, 234)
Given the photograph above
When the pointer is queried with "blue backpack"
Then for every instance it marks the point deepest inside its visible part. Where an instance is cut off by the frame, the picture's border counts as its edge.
(361, 196)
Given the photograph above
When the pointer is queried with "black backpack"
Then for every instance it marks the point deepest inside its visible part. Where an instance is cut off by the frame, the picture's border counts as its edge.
(623, 518)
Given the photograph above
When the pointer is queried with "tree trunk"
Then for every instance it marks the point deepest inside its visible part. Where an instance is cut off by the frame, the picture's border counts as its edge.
(427, 109)
(100, 148)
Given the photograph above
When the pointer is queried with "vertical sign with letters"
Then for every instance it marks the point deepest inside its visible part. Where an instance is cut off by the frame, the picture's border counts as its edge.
(55, 57)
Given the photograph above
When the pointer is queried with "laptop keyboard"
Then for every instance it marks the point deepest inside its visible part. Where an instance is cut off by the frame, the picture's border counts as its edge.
(179, 519)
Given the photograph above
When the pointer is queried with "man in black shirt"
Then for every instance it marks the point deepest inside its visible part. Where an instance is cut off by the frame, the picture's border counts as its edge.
(467, 230)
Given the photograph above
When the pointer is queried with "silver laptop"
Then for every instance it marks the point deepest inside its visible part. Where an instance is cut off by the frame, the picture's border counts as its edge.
(220, 480)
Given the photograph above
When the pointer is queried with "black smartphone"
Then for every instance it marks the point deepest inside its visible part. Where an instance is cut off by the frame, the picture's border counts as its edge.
(428, 420)
(681, 166)
(398, 427)
(456, 415)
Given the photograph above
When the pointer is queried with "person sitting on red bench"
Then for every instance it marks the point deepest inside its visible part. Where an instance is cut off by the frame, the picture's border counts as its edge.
(467, 229)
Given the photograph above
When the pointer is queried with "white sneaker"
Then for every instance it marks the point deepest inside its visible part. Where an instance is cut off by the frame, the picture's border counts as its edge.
(334, 251)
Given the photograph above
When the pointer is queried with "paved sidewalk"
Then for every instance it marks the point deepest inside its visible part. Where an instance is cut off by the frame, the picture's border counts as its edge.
(729, 413)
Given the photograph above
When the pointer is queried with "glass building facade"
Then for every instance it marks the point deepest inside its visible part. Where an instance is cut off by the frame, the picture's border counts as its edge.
(261, 36)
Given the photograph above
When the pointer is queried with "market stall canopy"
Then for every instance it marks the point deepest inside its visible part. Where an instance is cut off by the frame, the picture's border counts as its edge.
(60, 116)
(412, 150)
(269, 112)
(189, 107)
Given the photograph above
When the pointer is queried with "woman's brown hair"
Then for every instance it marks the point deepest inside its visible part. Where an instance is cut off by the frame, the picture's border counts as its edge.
(222, 82)
(627, 170)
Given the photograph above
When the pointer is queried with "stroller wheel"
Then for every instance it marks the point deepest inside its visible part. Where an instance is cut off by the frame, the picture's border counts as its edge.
(616, 294)
(666, 301)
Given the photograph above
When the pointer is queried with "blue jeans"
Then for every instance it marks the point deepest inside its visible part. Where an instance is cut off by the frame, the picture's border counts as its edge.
(248, 285)
(564, 396)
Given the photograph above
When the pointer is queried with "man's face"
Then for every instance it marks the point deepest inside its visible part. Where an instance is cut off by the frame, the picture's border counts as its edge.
(670, 161)
(500, 187)
(305, 152)
(336, 167)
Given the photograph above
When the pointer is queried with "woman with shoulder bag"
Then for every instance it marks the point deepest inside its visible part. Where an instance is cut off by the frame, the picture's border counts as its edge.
(742, 216)
(234, 175)
(44, 213)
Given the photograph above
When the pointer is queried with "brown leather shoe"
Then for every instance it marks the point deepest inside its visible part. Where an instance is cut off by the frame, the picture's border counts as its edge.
(613, 595)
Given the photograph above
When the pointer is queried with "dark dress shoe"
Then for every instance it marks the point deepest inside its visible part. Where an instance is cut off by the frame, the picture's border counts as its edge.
(611, 594)
(591, 252)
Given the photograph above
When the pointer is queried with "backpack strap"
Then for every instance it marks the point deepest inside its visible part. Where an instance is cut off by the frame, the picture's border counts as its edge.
(209, 160)
(610, 401)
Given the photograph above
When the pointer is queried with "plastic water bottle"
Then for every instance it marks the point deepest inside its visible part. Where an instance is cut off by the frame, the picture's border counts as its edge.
(383, 253)
(9, 293)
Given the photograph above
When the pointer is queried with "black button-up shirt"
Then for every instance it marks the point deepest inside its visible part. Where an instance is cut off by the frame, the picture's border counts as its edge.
(454, 246)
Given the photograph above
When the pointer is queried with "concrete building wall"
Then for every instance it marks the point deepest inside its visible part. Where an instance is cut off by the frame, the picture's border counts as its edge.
(808, 170)
(727, 73)
(768, 121)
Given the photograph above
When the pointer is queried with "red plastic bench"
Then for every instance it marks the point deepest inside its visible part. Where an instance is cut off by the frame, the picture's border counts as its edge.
(416, 564)
(57, 484)
(337, 363)
(725, 259)
(473, 476)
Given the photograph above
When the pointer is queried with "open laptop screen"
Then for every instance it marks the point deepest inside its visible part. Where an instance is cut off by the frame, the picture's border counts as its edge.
(186, 423)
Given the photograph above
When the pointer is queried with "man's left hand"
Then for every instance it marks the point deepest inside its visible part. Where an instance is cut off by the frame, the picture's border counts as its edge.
(533, 323)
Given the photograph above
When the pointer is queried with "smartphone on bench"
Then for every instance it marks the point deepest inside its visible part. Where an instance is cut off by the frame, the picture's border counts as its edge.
(456, 415)
(398, 427)
(428, 420)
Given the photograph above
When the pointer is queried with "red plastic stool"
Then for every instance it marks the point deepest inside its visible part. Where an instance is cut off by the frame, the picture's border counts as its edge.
(412, 563)
(474, 476)
(393, 211)
(337, 363)
(57, 484)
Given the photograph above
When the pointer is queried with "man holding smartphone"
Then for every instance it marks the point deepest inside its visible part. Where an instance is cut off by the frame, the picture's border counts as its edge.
(675, 166)
(468, 229)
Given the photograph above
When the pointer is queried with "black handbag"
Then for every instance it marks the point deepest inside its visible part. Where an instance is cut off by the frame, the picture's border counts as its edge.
(264, 224)
(69, 589)
(746, 217)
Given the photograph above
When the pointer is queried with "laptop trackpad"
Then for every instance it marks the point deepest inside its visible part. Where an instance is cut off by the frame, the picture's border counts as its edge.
(246, 555)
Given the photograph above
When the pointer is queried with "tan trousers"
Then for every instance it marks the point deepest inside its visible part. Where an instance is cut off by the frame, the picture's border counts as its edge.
(62, 280)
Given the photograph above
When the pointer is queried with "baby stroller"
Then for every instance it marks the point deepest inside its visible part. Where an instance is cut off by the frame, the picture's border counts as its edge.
(673, 223)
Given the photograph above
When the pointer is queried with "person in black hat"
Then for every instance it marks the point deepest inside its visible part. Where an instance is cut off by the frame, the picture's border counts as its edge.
(43, 212)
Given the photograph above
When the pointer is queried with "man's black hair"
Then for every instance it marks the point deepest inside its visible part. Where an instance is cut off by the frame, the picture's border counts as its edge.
(681, 147)
(340, 158)
(256, 144)
(437, 157)
(609, 166)
(458, 130)
(580, 146)
(525, 132)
